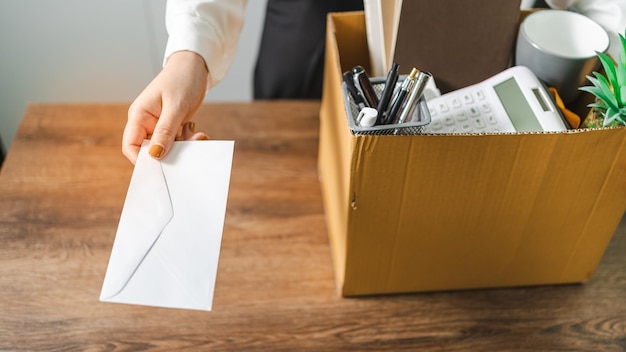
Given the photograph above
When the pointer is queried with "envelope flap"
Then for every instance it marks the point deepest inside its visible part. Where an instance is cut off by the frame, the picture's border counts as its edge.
(145, 220)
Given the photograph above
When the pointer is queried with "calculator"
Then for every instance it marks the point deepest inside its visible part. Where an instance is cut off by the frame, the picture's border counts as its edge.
(513, 100)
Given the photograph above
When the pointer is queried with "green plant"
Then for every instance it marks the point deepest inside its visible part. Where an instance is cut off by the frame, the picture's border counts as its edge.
(610, 89)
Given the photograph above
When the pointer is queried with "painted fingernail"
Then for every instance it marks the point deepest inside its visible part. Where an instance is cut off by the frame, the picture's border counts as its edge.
(156, 151)
(203, 138)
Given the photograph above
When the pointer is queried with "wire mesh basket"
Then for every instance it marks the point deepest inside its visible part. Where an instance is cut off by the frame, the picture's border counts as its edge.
(419, 117)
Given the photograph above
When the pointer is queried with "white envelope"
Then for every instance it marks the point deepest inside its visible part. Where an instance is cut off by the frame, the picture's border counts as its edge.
(168, 239)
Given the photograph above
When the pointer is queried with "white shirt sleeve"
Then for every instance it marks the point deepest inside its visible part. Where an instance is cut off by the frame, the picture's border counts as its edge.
(209, 28)
(610, 14)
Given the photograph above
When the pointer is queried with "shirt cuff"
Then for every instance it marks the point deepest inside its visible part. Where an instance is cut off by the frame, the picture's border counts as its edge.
(211, 30)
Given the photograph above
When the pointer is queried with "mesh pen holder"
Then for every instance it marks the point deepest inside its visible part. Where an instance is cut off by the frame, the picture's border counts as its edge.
(419, 117)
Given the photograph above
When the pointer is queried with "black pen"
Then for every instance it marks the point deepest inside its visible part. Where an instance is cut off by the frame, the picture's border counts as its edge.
(363, 84)
(356, 96)
(385, 98)
(398, 100)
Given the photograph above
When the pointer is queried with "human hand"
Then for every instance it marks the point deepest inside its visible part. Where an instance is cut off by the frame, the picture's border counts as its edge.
(163, 111)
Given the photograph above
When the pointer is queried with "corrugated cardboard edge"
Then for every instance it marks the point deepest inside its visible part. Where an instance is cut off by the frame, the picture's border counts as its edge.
(336, 145)
(604, 217)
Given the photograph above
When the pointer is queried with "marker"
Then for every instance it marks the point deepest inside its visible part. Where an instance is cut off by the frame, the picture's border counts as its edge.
(385, 98)
(363, 84)
(356, 96)
(398, 100)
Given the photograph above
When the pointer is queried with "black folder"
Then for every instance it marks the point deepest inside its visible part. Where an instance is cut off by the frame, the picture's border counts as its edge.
(460, 42)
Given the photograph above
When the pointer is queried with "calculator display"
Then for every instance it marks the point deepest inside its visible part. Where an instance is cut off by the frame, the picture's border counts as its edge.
(516, 106)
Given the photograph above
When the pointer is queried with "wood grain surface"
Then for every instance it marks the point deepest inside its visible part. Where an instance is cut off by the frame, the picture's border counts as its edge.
(62, 188)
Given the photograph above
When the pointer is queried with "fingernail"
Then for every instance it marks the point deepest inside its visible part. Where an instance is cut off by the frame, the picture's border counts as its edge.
(156, 151)
(203, 138)
(192, 126)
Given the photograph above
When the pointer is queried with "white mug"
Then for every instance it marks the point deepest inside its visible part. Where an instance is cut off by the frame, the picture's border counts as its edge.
(561, 47)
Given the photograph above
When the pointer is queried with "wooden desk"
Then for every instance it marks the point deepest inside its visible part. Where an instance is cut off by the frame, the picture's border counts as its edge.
(61, 192)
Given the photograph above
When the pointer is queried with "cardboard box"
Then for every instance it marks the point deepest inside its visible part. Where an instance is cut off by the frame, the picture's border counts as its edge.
(447, 212)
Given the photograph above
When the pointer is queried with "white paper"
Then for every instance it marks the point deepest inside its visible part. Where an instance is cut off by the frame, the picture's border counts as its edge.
(167, 245)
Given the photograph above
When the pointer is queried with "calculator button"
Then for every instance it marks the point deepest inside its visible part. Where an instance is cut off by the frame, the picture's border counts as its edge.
(485, 107)
(456, 103)
(433, 111)
(467, 98)
(462, 116)
(479, 95)
(478, 123)
(443, 107)
(466, 127)
(448, 121)
(473, 111)
(491, 120)
(436, 125)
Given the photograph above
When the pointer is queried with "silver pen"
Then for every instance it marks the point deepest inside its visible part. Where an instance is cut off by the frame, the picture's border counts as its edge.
(414, 95)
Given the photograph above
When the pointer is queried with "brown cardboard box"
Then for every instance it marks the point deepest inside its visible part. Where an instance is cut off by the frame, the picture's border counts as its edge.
(446, 212)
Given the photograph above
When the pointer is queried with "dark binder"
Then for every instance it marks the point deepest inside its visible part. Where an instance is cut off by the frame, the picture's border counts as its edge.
(461, 42)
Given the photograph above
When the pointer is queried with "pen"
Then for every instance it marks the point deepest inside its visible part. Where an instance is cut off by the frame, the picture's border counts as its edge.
(398, 100)
(417, 89)
(385, 98)
(363, 84)
(349, 80)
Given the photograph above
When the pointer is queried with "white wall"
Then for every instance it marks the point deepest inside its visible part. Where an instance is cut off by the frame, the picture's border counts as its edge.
(96, 51)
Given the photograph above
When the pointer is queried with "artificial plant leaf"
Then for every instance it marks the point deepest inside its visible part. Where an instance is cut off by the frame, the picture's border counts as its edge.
(607, 95)
(594, 91)
(621, 82)
(609, 68)
(597, 106)
(622, 38)
(609, 118)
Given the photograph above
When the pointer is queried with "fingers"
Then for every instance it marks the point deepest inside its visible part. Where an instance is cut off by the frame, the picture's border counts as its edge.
(188, 132)
(165, 131)
(161, 145)
(200, 136)
(188, 129)
(134, 135)
(137, 129)
(131, 152)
